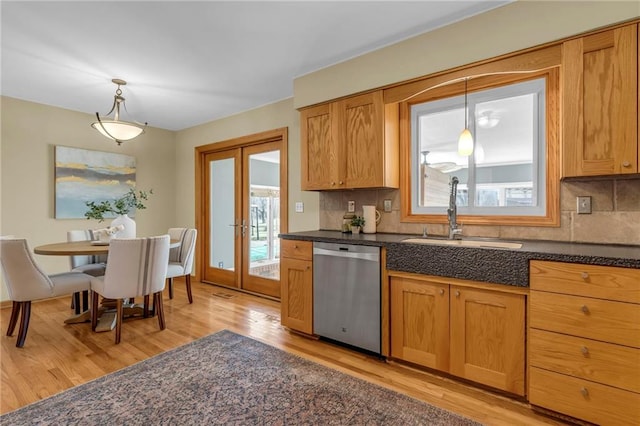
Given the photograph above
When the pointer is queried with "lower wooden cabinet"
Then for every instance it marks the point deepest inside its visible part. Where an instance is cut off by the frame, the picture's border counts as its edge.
(474, 333)
(296, 280)
(488, 337)
(584, 341)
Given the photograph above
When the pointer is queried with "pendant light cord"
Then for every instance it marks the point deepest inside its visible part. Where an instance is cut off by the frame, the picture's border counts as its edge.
(465, 103)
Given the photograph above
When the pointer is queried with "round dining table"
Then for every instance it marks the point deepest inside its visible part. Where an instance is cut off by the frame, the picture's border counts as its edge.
(77, 248)
(107, 318)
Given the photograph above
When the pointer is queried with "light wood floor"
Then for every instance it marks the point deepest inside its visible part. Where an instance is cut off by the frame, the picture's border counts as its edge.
(58, 356)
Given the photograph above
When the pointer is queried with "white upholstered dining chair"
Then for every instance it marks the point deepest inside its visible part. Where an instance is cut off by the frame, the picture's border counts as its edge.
(93, 265)
(137, 267)
(181, 258)
(26, 282)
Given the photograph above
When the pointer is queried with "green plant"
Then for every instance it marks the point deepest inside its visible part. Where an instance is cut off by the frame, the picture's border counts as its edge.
(119, 206)
(357, 221)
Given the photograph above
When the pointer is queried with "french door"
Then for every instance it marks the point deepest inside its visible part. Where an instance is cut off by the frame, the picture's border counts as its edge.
(242, 214)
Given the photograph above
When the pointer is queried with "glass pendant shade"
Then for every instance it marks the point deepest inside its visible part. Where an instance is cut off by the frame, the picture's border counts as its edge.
(465, 143)
(117, 130)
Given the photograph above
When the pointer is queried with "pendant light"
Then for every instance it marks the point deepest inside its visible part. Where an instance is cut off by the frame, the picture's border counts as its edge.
(465, 141)
(115, 128)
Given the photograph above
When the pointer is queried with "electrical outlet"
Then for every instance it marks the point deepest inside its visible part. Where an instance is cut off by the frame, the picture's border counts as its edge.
(584, 205)
(299, 207)
(351, 207)
(387, 206)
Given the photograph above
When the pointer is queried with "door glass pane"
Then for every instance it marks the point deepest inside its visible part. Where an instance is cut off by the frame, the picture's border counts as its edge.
(264, 214)
(222, 196)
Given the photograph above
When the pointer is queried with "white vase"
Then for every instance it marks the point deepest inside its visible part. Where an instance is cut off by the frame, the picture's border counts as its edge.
(129, 224)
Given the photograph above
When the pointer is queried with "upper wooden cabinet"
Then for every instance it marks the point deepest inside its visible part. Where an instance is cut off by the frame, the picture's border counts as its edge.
(600, 103)
(350, 143)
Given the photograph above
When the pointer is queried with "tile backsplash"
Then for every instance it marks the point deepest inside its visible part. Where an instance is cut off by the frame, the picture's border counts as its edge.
(615, 217)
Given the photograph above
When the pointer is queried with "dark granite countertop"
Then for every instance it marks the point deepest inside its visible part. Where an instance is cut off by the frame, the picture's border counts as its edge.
(493, 265)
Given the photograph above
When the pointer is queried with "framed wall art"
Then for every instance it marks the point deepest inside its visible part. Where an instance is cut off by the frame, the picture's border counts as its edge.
(83, 175)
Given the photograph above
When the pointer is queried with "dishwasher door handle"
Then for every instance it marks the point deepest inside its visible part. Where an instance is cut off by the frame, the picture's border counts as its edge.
(343, 253)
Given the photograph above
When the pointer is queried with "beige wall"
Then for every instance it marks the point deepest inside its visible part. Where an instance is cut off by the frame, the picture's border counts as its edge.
(30, 132)
(274, 116)
(507, 29)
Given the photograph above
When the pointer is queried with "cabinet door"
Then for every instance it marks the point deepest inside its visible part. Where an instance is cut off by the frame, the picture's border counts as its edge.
(296, 303)
(488, 338)
(600, 113)
(420, 322)
(361, 123)
(319, 166)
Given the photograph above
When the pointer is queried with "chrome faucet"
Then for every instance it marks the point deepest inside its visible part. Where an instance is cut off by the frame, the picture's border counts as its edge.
(455, 232)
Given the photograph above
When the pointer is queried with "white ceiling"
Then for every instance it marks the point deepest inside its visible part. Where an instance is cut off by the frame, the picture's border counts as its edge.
(188, 63)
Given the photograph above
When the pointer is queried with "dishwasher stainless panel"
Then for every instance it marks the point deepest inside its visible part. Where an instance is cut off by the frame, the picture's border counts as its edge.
(346, 294)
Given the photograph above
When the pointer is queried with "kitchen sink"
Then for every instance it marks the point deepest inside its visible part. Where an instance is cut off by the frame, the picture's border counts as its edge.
(465, 243)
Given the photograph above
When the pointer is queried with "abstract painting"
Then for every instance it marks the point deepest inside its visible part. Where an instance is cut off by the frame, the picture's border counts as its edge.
(83, 175)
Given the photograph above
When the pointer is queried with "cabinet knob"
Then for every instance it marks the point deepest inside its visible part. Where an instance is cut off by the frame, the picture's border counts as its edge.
(457, 293)
(295, 246)
(626, 164)
(585, 309)
(341, 182)
(584, 275)
(584, 350)
(584, 392)
(333, 184)
(441, 291)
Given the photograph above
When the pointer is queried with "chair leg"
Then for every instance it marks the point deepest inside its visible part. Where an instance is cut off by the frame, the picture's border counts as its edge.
(145, 311)
(170, 288)
(94, 310)
(24, 323)
(159, 308)
(76, 302)
(85, 300)
(188, 281)
(15, 312)
(119, 319)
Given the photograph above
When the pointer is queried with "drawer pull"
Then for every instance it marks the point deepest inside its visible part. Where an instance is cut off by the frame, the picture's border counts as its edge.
(441, 291)
(585, 309)
(626, 164)
(585, 351)
(584, 392)
(585, 275)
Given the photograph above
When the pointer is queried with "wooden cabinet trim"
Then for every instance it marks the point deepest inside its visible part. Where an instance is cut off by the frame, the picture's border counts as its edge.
(296, 249)
(583, 399)
(610, 364)
(605, 282)
(503, 288)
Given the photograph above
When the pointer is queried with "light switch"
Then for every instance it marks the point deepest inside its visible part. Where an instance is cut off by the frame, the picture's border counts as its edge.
(387, 206)
(351, 206)
(299, 207)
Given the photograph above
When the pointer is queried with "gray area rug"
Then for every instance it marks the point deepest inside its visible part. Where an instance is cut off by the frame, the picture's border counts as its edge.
(229, 379)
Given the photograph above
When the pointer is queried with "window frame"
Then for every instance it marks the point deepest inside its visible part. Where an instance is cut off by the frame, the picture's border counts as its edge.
(475, 83)
(535, 87)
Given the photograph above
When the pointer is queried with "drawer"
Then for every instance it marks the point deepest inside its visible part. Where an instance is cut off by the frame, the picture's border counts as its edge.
(604, 282)
(296, 249)
(604, 405)
(605, 363)
(597, 319)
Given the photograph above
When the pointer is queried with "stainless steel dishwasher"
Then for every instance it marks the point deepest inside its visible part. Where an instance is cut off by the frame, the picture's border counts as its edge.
(346, 294)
